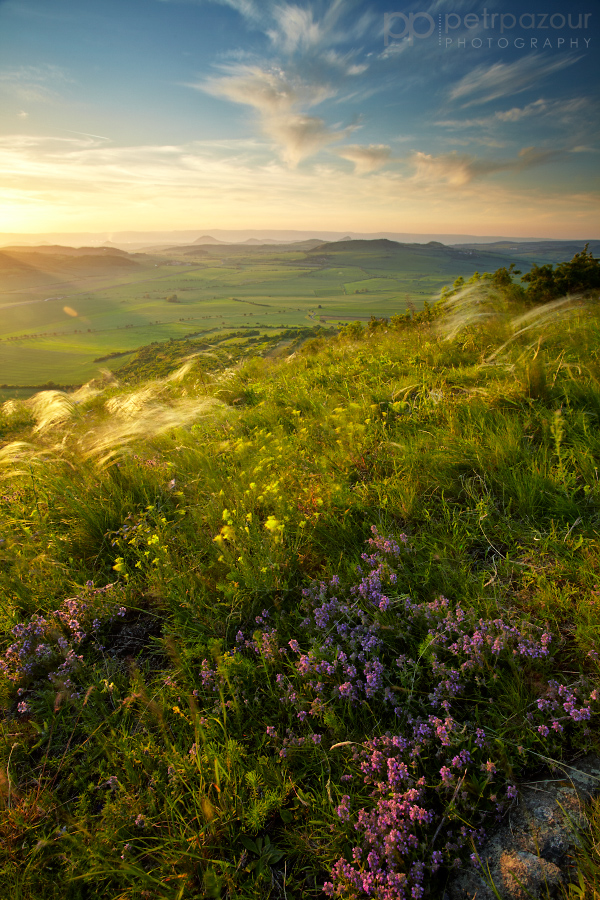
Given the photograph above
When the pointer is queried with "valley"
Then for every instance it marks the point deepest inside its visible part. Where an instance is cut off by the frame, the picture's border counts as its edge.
(62, 308)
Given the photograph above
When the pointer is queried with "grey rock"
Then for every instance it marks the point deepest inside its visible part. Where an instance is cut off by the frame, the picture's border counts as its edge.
(528, 855)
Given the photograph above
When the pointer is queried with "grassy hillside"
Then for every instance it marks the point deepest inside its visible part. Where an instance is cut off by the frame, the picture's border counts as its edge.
(63, 308)
(302, 621)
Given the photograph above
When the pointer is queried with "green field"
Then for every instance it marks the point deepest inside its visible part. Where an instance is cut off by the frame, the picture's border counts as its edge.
(60, 313)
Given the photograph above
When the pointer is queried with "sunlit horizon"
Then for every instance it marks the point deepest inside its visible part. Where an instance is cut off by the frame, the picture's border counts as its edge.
(163, 115)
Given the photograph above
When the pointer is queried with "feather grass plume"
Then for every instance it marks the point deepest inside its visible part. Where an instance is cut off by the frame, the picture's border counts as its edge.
(113, 421)
(534, 321)
(51, 408)
(471, 305)
(142, 417)
(18, 458)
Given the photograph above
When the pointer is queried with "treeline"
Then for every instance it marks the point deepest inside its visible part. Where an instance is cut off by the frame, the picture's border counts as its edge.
(47, 386)
(114, 355)
(542, 283)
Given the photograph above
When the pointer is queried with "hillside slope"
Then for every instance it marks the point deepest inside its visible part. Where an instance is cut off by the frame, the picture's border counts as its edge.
(301, 622)
(26, 267)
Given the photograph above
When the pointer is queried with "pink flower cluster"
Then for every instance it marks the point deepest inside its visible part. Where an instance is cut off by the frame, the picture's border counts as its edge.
(49, 642)
(433, 779)
(564, 705)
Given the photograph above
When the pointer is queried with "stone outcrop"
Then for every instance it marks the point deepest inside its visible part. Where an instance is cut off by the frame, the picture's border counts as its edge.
(529, 855)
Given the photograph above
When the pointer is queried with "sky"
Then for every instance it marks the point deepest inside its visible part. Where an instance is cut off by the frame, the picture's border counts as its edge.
(441, 116)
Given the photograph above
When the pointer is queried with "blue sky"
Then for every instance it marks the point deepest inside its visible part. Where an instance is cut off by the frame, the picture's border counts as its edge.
(438, 116)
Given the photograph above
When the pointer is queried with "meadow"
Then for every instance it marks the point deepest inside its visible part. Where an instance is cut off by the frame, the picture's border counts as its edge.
(296, 626)
(63, 309)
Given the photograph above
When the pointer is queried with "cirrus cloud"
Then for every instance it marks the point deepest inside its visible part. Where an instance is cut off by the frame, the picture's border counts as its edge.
(281, 102)
(486, 83)
(459, 169)
(366, 159)
(34, 84)
(77, 182)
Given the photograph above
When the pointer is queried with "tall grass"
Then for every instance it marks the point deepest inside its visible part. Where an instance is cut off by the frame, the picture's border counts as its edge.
(182, 748)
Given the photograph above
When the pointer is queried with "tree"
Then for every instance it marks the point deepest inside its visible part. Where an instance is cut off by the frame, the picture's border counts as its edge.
(540, 284)
(582, 274)
(503, 276)
(579, 276)
(353, 330)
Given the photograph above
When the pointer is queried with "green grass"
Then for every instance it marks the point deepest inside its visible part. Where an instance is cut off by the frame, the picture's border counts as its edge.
(586, 885)
(93, 313)
(149, 772)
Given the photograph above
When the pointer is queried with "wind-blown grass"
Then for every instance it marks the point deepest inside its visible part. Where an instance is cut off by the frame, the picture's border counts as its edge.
(231, 707)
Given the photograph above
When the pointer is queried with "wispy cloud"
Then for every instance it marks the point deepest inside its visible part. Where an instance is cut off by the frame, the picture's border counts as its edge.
(34, 84)
(394, 50)
(297, 29)
(366, 159)
(69, 183)
(87, 134)
(344, 62)
(307, 67)
(281, 102)
(294, 27)
(247, 8)
(269, 90)
(486, 83)
(538, 107)
(459, 169)
(558, 111)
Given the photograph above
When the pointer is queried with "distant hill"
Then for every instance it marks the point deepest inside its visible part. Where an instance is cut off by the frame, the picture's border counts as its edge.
(429, 258)
(309, 244)
(137, 240)
(195, 251)
(349, 244)
(27, 267)
(60, 250)
(220, 248)
(207, 239)
(185, 250)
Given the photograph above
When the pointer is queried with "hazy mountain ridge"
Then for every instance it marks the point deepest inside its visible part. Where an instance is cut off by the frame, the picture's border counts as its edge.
(62, 250)
(39, 264)
(129, 240)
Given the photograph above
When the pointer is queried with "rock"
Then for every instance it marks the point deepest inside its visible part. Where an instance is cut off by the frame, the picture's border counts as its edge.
(523, 874)
(528, 856)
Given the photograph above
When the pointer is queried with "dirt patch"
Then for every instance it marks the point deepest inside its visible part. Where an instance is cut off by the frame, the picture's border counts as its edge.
(133, 641)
